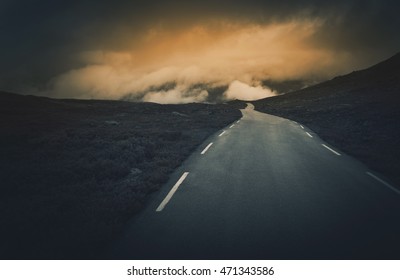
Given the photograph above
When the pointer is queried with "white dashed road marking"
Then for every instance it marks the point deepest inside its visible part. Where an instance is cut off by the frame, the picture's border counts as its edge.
(383, 182)
(205, 150)
(171, 192)
(330, 149)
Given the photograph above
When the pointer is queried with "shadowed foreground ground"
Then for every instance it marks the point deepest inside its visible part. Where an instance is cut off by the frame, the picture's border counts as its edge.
(72, 172)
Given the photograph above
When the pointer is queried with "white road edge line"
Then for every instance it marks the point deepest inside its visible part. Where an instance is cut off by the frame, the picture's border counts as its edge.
(205, 150)
(383, 182)
(232, 126)
(330, 149)
(171, 192)
(302, 126)
(309, 134)
(223, 132)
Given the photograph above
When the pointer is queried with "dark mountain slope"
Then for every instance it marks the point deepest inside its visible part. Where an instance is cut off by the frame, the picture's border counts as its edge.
(358, 113)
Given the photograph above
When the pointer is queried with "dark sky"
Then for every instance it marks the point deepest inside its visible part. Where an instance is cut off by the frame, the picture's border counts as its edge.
(43, 40)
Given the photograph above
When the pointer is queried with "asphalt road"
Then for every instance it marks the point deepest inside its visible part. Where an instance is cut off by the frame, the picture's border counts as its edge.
(267, 188)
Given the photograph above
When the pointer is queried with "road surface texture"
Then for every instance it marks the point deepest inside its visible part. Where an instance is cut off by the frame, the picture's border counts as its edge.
(267, 188)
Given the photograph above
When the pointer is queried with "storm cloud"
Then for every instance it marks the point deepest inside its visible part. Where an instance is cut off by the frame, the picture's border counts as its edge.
(114, 49)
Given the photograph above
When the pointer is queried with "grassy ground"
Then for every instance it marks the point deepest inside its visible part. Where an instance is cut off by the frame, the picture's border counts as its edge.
(358, 113)
(73, 172)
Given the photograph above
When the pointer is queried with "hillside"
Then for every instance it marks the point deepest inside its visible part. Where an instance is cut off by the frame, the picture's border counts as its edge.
(72, 172)
(358, 113)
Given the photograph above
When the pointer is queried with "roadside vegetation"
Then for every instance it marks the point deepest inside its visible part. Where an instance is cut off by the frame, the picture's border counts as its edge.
(73, 172)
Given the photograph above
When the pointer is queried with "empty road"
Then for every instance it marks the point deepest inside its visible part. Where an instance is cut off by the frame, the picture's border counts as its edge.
(267, 188)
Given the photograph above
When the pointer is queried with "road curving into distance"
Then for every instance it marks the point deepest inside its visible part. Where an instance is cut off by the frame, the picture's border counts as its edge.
(267, 188)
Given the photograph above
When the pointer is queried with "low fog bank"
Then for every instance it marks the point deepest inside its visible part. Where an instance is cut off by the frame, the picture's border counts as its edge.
(204, 64)
(179, 93)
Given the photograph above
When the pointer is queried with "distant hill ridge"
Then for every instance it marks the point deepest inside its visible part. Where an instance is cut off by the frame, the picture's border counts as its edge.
(385, 74)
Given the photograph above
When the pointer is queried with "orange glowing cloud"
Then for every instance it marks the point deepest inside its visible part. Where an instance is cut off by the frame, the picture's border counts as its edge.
(219, 54)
